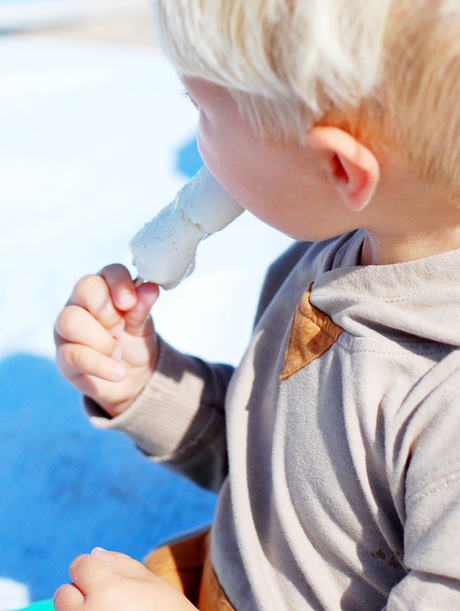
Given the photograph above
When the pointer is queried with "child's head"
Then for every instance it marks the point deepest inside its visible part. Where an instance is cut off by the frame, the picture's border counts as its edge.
(386, 72)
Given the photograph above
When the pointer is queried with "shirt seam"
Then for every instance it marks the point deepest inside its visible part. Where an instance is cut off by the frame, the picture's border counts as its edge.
(407, 353)
(420, 494)
(436, 470)
(388, 299)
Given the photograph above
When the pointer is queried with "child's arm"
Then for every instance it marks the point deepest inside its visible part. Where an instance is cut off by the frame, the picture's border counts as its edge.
(180, 399)
(109, 581)
(106, 343)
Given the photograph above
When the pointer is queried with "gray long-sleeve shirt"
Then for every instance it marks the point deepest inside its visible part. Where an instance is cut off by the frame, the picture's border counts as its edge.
(340, 484)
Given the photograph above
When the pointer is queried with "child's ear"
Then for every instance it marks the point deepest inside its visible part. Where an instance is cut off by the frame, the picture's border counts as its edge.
(352, 168)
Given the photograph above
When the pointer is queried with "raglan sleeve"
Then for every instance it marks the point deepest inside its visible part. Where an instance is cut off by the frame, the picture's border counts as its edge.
(179, 419)
(432, 504)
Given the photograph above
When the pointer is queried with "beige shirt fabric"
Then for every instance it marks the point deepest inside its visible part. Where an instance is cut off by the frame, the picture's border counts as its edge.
(339, 486)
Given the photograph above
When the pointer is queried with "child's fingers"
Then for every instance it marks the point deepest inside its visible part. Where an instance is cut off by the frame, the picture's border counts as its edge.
(90, 572)
(121, 563)
(121, 286)
(75, 359)
(68, 598)
(77, 325)
(137, 320)
(93, 294)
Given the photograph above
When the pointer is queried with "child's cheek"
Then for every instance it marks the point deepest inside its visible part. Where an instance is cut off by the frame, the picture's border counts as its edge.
(202, 135)
(210, 147)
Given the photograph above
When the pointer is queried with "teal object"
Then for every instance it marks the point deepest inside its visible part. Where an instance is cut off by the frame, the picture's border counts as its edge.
(42, 605)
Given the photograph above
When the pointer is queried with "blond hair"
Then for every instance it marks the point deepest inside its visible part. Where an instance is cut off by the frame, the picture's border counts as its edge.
(387, 71)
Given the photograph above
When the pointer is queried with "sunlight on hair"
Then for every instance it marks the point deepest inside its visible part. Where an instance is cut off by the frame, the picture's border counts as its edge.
(293, 59)
(362, 65)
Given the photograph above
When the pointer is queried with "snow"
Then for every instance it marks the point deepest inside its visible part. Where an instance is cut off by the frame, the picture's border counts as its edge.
(30, 14)
(13, 595)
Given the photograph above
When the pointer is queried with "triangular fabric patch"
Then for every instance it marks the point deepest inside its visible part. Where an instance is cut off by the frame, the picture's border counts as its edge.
(312, 334)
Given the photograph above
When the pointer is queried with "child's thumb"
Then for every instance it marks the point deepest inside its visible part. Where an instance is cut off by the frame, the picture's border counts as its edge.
(122, 564)
(103, 554)
(137, 320)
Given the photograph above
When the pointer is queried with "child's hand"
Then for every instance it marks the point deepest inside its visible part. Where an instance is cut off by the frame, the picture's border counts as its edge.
(108, 581)
(106, 344)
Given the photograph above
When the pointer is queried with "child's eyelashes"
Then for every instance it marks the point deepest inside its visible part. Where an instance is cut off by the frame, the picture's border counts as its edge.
(185, 94)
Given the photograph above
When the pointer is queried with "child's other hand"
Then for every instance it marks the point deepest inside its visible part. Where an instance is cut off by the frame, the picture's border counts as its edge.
(105, 339)
(109, 581)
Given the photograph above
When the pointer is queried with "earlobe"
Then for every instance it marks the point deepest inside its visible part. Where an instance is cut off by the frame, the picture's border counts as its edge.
(353, 169)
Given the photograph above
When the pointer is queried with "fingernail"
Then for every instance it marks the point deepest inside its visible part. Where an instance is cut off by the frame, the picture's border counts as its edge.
(126, 299)
(117, 329)
(116, 354)
(101, 553)
(118, 372)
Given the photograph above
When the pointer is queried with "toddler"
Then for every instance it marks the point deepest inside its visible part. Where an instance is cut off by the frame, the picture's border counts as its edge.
(334, 446)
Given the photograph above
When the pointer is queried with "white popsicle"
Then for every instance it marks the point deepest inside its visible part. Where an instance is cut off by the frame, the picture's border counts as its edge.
(164, 250)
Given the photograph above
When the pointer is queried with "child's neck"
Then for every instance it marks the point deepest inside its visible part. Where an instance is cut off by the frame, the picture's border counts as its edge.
(390, 249)
(409, 222)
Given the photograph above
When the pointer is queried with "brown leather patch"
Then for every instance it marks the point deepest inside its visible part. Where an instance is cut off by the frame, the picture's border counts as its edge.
(186, 564)
(312, 334)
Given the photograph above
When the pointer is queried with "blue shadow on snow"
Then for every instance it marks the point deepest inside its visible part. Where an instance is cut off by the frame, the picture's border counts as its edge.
(188, 160)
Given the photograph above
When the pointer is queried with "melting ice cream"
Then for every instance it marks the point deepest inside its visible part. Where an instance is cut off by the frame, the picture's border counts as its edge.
(164, 250)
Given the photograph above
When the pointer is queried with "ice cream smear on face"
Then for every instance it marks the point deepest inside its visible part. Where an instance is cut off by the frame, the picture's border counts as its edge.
(164, 249)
